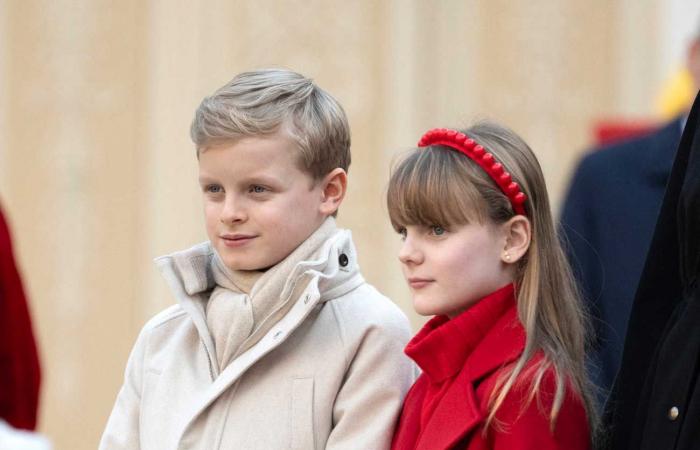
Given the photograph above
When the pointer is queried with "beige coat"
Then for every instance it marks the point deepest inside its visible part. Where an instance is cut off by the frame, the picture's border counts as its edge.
(330, 373)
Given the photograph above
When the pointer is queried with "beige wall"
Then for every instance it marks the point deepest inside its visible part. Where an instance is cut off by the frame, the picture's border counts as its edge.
(97, 172)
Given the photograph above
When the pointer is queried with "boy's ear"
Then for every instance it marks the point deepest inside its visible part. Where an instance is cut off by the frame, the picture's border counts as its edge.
(334, 186)
(518, 234)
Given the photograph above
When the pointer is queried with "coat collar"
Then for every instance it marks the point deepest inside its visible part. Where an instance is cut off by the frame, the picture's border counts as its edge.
(459, 412)
(442, 346)
(190, 276)
(331, 272)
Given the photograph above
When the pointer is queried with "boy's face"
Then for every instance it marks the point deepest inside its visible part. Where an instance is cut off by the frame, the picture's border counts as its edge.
(258, 205)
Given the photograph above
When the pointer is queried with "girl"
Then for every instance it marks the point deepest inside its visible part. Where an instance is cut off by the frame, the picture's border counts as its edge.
(503, 358)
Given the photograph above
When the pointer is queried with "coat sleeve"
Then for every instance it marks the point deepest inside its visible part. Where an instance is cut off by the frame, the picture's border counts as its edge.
(122, 430)
(528, 428)
(369, 401)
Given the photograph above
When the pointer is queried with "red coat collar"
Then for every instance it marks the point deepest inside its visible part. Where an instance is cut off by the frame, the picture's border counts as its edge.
(442, 346)
(459, 411)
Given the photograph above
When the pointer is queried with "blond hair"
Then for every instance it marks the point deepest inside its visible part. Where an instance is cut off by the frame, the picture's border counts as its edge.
(437, 185)
(267, 101)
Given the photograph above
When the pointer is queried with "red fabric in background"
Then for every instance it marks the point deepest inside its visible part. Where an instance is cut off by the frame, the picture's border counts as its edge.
(19, 361)
(614, 130)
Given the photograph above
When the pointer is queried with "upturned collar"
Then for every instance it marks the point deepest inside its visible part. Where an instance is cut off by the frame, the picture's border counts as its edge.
(442, 346)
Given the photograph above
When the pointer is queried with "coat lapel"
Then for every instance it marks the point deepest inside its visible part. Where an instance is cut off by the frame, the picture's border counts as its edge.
(454, 417)
(503, 344)
(660, 153)
(272, 339)
(459, 412)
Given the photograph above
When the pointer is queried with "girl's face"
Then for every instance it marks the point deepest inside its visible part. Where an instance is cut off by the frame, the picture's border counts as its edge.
(450, 269)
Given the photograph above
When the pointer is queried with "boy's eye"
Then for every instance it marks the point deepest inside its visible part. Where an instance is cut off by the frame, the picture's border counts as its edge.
(402, 232)
(437, 230)
(257, 189)
(213, 188)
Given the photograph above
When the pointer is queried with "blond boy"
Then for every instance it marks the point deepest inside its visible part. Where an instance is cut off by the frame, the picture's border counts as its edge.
(276, 341)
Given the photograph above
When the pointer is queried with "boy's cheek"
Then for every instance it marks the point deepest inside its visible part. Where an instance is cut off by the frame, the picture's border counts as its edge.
(211, 211)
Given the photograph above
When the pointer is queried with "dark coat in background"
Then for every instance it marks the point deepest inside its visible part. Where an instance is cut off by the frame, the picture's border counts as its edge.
(655, 403)
(608, 221)
(19, 363)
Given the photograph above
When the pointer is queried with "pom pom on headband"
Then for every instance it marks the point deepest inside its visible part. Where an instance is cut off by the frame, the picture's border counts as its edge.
(463, 144)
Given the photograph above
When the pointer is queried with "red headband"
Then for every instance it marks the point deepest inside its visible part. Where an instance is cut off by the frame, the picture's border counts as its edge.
(464, 144)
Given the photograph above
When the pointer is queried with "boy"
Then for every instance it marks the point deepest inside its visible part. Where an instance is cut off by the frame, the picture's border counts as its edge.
(276, 342)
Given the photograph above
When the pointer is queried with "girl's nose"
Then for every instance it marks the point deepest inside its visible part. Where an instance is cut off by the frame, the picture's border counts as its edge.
(409, 253)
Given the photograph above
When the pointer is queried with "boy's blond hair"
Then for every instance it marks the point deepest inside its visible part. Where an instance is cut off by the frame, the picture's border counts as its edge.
(267, 101)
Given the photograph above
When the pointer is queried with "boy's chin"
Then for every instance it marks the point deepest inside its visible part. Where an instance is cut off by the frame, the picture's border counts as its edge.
(253, 258)
(250, 267)
(249, 264)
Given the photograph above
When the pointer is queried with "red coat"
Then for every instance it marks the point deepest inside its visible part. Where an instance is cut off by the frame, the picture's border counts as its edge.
(19, 363)
(461, 360)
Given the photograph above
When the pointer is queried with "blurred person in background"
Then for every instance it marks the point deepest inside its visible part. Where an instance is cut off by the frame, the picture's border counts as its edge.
(19, 361)
(655, 402)
(607, 221)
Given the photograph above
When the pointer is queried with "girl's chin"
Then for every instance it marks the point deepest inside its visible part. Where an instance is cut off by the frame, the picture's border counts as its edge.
(428, 310)
(425, 310)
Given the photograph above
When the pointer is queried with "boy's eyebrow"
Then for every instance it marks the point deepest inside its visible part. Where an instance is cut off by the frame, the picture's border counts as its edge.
(253, 179)
(205, 179)
(260, 179)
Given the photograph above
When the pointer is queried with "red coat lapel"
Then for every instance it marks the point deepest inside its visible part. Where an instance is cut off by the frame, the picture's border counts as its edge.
(460, 411)
(455, 416)
(503, 344)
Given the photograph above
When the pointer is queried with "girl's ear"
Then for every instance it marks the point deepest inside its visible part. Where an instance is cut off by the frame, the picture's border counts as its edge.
(334, 185)
(518, 234)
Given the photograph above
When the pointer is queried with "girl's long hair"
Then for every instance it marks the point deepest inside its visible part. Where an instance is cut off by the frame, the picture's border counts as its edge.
(439, 186)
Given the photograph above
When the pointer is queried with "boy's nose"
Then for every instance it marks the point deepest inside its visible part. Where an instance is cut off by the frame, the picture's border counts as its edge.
(232, 212)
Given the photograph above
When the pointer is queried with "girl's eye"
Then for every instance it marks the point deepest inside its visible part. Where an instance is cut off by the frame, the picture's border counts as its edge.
(437, 230)
(402, 232)
(257, 189)
(213, 189)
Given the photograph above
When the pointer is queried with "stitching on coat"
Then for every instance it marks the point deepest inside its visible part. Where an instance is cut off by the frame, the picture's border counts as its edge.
(341, 333)
(174, 315)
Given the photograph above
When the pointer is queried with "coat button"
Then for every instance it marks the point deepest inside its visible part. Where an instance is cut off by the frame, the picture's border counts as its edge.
(673, 413)
(343, 260)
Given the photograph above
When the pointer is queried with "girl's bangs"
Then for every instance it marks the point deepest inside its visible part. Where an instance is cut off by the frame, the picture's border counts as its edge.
(434, 186)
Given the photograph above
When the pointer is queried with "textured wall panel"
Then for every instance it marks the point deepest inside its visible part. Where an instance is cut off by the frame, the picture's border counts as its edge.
(99, 175)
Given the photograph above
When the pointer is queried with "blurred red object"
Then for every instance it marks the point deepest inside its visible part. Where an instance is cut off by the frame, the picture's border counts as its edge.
(19, 361)
(610, 131)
